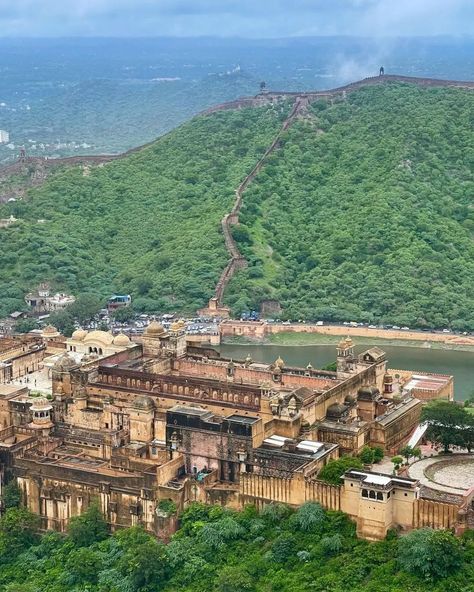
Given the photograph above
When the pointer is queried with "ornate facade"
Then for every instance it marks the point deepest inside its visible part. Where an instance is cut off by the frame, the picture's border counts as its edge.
(166, 420)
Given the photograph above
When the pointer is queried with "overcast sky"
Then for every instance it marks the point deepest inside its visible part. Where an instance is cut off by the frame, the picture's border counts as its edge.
(243, 18)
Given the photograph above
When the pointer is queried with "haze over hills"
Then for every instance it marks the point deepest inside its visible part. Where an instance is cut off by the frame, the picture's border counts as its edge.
(363, 212)
(90, 96)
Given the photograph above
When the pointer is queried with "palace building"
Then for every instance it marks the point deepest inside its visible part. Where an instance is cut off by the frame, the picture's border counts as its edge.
(132, 424)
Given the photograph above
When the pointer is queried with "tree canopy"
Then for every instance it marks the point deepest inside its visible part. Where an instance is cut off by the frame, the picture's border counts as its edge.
(220, 550)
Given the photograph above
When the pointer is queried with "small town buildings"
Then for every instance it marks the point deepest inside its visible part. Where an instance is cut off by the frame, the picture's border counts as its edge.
(4, 137)
(118, 301)
(41, 300)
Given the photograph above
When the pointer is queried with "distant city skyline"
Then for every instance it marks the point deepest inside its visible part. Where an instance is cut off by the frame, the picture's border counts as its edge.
(235, 18)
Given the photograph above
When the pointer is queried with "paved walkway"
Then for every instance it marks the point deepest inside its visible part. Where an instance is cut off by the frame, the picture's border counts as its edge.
(455, 473)
(36, 381)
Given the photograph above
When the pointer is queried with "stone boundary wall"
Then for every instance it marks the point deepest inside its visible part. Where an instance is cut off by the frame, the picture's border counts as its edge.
(261, 329)
(427, 513)
(237, 261)
(293, 491)
(271, 96)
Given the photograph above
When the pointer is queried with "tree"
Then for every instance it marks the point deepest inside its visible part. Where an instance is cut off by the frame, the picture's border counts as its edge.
(89, 527)
(447, 421)
(430, 553)
(234, 579)
(18, 531)
(367, 455)
(143, 560)
(378, 453)
(83, 566)
(63, 321)
(309, 517)
(334, 469)
(283, 548)
(332, 545)
(11, 495)
(25, 325)
(397, 462)
(85, 307)
(124, 314)
(407, 452)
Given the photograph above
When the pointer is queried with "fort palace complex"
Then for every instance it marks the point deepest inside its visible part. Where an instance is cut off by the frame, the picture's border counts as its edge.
(135, 423)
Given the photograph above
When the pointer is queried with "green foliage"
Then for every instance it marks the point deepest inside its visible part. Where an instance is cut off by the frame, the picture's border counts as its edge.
(25, 325)
(274, 513)
(378, 453)
(365, 212)
(283, 548)
(397, 461)
(409, 451)
(430, 553)
(366, 455)
(449, 425)
(11, 495)
(63, 321)
(146, 225)
(18, 531)
(167, 506)
(85, 307)
(309, 518)
(88, 528)
(124, 314)
(332, 545)
(304, 550)
(334, 469)
(234, 579)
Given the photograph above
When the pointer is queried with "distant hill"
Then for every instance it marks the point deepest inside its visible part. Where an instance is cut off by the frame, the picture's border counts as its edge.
(363, 212)
(148, 224)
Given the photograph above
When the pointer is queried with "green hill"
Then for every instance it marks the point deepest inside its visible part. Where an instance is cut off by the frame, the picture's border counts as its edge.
(148, 224)
(364, 212)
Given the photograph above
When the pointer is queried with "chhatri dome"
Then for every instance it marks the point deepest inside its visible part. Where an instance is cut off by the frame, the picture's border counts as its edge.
(279, 363)
(122, 340)
(65, 363)
(49, 331)
(154, 329)
(79, 334)
(103, 337)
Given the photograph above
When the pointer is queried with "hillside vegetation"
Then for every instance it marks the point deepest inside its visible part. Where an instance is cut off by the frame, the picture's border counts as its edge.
(366, 212)
(217, 550)
(148, 225)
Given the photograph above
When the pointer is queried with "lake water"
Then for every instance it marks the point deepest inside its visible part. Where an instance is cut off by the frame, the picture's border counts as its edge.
(458, 363)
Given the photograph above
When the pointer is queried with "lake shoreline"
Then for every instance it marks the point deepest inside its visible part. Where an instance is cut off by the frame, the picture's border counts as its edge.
(293, 339)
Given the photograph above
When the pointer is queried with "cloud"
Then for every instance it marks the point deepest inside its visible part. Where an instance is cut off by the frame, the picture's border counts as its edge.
(244, 18)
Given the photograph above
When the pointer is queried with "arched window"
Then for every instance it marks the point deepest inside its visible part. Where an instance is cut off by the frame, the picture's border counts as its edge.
(372, 495)
(365, 493)
(379, 495)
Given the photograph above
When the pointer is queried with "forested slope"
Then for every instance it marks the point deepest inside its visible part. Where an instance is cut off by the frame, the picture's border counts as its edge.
(363, 212)
(366, 212)
(148, 225)
(218, 550)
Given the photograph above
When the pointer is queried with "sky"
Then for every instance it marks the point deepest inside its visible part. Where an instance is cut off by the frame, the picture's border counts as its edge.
(235, 18)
